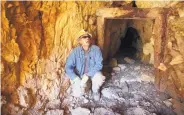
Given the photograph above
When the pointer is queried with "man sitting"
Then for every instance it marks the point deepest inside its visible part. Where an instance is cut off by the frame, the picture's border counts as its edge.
(84, 63)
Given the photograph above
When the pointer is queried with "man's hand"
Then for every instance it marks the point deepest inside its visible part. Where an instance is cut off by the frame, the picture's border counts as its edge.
(84, 80)
(76, 80)
(83, 84)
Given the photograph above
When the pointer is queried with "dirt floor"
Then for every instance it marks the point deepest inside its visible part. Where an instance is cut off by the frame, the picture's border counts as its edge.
(128, 90)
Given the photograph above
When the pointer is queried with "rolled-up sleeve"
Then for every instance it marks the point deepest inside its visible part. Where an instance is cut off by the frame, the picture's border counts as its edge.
(98, 63)
(70, 65)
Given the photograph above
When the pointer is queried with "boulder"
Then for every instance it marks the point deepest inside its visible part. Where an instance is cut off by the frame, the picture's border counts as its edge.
(128, 60)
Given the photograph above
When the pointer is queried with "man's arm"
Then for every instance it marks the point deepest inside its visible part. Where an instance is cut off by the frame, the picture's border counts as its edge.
(70, 65)
(98, 66)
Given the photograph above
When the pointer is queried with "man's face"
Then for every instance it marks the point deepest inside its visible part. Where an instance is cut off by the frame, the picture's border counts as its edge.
(85, 40)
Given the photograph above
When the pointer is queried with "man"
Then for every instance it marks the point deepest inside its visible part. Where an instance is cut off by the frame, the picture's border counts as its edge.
(84, 63)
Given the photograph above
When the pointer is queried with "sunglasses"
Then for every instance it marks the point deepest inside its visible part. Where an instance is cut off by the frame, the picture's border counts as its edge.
(84, 37)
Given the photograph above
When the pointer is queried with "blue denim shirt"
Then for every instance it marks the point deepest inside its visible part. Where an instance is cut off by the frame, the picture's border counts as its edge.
(75, 62)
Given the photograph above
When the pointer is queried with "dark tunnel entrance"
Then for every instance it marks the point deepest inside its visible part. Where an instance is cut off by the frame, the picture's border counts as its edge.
(130, 46)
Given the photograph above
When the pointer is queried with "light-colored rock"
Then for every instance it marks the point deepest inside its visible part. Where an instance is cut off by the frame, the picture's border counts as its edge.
(124, 87)
(86, 100)
(177, 60)
(122, 66)
(11, 51)
(162, 67)
(116, 69)
(110, 93)
(55, 112)
(49, 89)
(136, 111)
(128, 60)
(181, 12)
(80, 111)
(122, 80)
(23, 96)
(147, 78)
(148, 48)
(168, 102)
(137, 68)
(169, 45)
(103, 111)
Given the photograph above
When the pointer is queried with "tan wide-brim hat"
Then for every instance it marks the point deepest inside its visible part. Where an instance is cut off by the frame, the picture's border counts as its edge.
(82, 33)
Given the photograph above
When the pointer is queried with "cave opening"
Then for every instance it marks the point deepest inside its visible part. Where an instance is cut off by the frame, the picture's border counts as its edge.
(130, 45)
(129, 40)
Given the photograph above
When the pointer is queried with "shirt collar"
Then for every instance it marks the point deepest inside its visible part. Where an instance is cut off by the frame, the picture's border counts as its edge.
(83, 49)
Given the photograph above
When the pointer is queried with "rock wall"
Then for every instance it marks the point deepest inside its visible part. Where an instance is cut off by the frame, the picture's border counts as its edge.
(36, 40)
(145, 30)
(115, 29)
(153, 4)
(38, 36)
(173, 81)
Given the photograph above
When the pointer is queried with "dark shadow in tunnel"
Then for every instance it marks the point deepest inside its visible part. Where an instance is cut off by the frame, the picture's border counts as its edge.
(128, 46)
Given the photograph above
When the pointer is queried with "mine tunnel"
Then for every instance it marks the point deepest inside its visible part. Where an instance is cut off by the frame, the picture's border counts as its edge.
(129, 58)
(129, 40)
(129, 47)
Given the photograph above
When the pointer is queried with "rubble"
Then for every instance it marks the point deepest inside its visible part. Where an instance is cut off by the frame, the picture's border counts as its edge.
(110, 93)
(103, 111)
(131, 91)
(137, 111)
(80, 111)
(55, 112)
